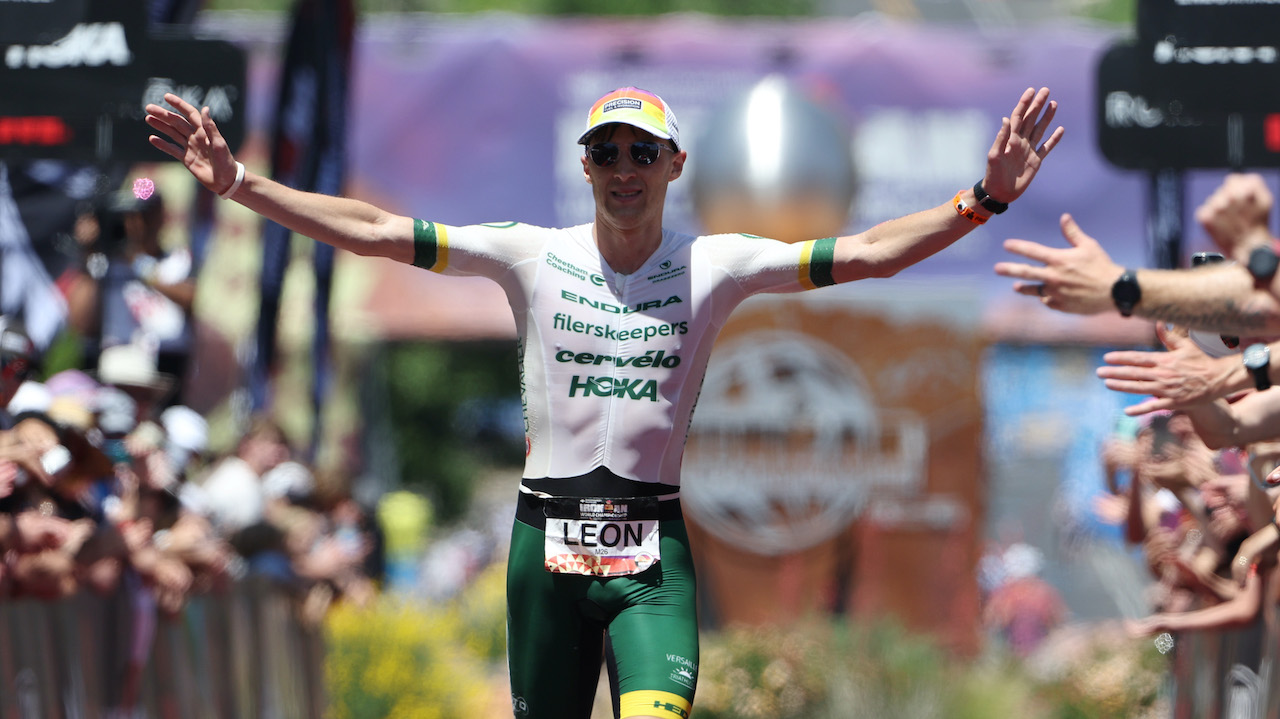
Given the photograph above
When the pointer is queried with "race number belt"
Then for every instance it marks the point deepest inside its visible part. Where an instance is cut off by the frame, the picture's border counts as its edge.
(600, 536)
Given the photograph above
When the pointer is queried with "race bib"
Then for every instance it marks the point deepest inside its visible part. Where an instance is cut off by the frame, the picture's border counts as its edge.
(601, 537)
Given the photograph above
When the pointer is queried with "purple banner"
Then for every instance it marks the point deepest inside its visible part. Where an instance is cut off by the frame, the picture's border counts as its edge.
(473, 119)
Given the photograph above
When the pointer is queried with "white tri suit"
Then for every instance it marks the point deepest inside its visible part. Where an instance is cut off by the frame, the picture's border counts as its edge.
(610, 368)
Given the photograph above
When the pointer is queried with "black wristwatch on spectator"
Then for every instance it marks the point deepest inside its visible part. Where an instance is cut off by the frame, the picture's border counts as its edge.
(1126, 293)
(1257, 359)
(1262, 264)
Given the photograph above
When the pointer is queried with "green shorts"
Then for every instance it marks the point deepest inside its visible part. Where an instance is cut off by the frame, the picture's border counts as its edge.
(557, 625)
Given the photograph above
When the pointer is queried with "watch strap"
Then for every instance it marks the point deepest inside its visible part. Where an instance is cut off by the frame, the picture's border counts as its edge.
(1261, 372)
(1126, 293)
(987, 202)
(1263, 264)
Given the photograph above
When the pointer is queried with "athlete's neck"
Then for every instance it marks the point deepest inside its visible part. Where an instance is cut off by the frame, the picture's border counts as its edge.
(626, 251)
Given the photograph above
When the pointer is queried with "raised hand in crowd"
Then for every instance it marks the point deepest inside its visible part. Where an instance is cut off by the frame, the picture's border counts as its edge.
(1181, 376)
(1236, 215)
(32, 531)
(1075, 279)
(1083, 279)
(1236, 612)
(1185, 378)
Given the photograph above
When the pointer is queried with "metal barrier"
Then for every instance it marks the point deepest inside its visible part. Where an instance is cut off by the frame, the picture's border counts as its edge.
(240, 654)
(1227, 674)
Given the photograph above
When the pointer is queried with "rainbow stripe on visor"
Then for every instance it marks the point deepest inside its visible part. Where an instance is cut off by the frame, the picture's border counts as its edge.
(639, 108)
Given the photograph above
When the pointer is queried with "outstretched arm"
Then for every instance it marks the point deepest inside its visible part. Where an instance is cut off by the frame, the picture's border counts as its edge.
(1078, 278)
(1233, 613)
(194, 139)
(1012, 163)
(1183, 376)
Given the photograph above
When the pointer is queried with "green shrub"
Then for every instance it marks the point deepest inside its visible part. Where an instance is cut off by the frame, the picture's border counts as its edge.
(401, 659)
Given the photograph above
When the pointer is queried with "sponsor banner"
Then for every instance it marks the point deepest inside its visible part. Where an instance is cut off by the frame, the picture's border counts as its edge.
(917, 138)
(851, 480)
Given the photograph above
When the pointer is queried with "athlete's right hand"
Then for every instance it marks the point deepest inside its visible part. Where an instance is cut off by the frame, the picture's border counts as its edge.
(199, 144)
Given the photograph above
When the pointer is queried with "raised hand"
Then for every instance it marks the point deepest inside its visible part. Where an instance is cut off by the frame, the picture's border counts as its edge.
(1015, 156)
(196, 141)
(1236, 215)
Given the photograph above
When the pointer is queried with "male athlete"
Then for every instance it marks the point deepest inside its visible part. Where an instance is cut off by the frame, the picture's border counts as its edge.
(615, 321)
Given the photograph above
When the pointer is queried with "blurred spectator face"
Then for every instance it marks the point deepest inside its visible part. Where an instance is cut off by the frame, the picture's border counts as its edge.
(69, 459)
(264, 446)
(37, 434)
(142, 226)
(1231, 490)
(1226, 522)
(16, 355)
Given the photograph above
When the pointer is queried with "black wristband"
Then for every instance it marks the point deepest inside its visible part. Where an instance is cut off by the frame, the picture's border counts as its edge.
(989, 204)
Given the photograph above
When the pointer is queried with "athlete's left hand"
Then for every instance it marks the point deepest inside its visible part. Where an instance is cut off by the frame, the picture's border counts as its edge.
(1015, 156)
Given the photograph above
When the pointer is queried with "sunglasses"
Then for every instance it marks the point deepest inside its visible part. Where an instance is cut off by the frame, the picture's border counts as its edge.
(605, 154)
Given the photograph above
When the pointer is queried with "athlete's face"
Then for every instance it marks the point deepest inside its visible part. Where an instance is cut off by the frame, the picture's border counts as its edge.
(630, 194)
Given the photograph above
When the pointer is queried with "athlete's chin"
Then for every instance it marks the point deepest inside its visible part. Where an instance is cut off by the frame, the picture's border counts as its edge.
(627, 217)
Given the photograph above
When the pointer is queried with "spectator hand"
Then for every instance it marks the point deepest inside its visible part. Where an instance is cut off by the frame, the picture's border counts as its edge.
(1076, 279)
(1111, 508)
(172, 583)
(1144, 627)
(35, 531)
(1119, 454)
(1179, 377)
(1170, 474)
(1251, 549)
(26, 456)
(1236, 214)
(9, 473)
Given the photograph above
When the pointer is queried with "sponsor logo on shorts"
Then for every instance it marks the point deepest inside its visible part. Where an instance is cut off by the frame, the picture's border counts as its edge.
(686, 671)
(668, 706)
(644, 560)
(519, 705)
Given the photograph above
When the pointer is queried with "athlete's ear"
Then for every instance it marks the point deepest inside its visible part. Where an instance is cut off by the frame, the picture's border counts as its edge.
(586, 170)
(677, 164)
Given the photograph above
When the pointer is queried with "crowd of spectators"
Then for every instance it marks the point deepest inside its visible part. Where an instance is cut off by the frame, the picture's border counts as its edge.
(1195, 481)
(107, 479)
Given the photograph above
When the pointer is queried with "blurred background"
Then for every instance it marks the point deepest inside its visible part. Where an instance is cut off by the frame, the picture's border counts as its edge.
(967, 420)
